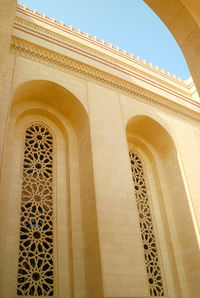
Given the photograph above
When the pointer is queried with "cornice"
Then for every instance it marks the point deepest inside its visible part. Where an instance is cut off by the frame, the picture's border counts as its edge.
(180, 90)
(92, 40)
(21, 24)
(50, 58)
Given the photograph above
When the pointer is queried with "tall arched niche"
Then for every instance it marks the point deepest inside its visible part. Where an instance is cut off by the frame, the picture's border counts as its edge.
(171, 214)
(76, 234)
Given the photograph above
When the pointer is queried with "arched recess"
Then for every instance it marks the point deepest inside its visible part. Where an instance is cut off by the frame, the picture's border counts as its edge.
(175, 235)
(182, 19)
(77, 259)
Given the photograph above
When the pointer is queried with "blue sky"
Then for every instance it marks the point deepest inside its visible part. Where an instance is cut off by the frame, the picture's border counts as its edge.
(129, 24)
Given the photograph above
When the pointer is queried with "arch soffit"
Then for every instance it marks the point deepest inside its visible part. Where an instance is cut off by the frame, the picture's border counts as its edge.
(154, 133)
(181, 18)
(150, 113)
(32, 109)
(50, 77)
(52, 95)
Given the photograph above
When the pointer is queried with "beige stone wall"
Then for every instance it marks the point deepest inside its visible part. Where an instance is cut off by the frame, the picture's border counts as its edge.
(98, 241)
(95, 113)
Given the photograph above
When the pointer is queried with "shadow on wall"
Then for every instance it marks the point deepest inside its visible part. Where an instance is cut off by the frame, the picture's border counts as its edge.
(157, 149)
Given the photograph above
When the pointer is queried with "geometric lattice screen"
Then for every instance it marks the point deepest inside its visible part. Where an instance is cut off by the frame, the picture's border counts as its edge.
(35, 264)
(146, 226)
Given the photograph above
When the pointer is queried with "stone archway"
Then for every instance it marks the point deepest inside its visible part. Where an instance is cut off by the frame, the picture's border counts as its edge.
(182, 19)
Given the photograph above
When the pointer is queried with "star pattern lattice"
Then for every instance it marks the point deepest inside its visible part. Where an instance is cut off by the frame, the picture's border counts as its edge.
(35, 265)
(146, 227)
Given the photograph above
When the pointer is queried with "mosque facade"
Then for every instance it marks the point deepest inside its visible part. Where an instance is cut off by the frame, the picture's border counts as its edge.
(100, 167)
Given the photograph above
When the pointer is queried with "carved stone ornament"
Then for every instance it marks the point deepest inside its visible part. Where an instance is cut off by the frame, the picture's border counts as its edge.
(146, 226)
(48, 57)
(35, 264)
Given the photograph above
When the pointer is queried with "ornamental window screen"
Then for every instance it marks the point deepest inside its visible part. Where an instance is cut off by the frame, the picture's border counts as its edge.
(146, 226)
(35, 264)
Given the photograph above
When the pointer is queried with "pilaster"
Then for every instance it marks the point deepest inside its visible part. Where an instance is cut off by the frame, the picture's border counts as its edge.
(7, 15)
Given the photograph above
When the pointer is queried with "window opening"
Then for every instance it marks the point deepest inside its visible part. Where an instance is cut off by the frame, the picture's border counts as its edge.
(35, 264)
(146, 226)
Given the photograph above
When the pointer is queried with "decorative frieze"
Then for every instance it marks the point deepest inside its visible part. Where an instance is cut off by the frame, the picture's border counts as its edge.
(20, 22)
(48, 57)
(91, 39)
